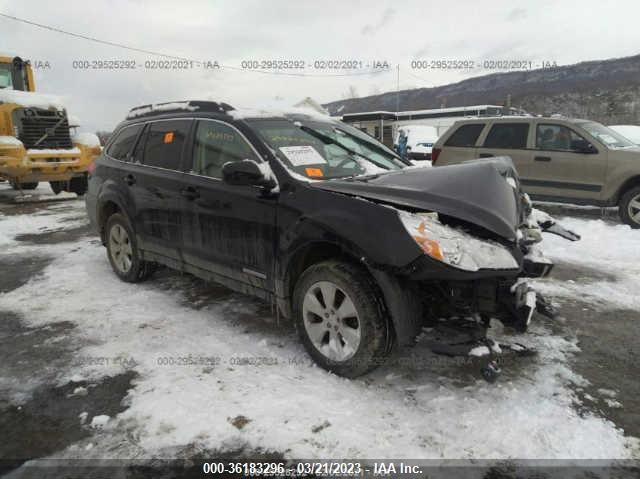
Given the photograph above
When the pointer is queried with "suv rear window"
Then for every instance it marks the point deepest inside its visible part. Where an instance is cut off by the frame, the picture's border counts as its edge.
(165, 140)
(507, 135)
(466, 135)
(123, 143)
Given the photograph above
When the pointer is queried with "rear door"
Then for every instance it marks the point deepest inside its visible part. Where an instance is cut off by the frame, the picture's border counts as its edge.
(155, 179)
(461, 144)
(559, 170)
(508, 139)
(229, 229)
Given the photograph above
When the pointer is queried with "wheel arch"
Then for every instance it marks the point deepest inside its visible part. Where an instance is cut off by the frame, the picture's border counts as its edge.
(626, 186)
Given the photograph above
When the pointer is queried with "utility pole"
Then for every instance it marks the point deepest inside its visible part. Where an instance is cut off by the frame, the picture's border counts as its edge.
(398, 90)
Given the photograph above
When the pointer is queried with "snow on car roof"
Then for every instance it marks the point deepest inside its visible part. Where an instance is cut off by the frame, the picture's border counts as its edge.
(31, 99)
(271, 112)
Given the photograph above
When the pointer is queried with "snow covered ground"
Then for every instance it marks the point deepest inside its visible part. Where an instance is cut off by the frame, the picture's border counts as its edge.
(215, 370)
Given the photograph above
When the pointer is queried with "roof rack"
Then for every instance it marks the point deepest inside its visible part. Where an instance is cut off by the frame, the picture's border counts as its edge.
(178, 106)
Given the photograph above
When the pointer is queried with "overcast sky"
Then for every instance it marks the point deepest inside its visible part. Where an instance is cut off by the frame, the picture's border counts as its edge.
(230, 31)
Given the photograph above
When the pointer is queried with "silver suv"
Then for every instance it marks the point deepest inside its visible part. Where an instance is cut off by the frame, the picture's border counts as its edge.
(557, 158)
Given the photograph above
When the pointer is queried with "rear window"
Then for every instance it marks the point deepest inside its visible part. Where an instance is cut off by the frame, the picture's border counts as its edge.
(122, 144)
(466, 135)
(507, 135)
(165, 140)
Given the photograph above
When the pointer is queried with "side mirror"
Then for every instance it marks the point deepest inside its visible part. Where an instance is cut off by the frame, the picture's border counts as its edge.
(583, 146)
(246, 173)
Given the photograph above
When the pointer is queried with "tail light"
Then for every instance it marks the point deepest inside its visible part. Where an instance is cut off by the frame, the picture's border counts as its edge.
(435, 153)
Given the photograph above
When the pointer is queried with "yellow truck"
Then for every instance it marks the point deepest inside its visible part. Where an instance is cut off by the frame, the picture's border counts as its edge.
(36, 140)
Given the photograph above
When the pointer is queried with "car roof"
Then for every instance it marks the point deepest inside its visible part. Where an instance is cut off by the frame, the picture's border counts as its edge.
(519, 118)
(216, 110)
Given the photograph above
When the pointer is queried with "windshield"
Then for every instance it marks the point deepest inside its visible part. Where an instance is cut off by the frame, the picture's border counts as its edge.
(606, 135)
(324, 150)
(5, 76)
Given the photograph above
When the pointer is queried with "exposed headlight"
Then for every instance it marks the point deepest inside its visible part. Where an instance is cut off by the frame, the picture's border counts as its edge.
(454, 246)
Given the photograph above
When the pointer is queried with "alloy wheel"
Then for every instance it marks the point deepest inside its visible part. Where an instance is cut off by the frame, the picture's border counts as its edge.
(120, 248)
(331, 321)
(634, 209)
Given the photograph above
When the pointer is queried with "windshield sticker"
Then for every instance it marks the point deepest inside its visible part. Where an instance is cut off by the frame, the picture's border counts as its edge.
(314, 172)
(302, 155)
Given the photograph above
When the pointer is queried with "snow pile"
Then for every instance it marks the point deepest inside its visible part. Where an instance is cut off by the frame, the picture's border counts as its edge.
(10, 141)
(31, 99)
(87, 139)
(603, 247)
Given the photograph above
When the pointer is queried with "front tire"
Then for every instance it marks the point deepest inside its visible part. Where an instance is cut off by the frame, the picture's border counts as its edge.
(24, 186)
(629, 207)
(340, 319)
(123, 252)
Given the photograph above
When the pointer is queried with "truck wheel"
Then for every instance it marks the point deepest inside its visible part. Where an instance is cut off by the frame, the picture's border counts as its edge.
(56, 186)
(340, 319)
(78, 185)
(23, 186)
(629, 207)
(123, 253)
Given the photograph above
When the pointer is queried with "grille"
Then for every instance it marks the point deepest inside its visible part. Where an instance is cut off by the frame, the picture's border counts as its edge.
(44, 123)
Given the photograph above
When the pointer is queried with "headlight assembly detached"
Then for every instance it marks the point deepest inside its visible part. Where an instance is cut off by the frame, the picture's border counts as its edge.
(454, 246)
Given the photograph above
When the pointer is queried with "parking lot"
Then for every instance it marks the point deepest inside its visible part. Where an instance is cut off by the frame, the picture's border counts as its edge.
(93, 367)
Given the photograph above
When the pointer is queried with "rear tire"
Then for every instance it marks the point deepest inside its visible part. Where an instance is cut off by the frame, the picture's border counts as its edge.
(123, 252)
(57, 186)
(629, 207)
(340, 319)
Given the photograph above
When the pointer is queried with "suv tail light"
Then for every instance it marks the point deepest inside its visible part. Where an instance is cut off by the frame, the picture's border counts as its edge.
(435, 153)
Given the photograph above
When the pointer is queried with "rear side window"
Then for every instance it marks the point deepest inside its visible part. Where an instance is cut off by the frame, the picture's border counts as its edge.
(507, 135)
(217, 144)
(165, 141)
(123, 143)
(466, 135)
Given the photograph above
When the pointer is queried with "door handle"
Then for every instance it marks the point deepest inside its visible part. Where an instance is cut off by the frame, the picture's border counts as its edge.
(190, 193)
(486, 155)
(542, 158)
(129, 179)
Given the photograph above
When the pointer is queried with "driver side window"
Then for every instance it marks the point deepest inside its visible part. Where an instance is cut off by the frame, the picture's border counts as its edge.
(557, 137)
(216, 144)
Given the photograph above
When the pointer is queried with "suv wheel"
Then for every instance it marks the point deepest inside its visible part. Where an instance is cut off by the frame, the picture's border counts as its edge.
(339, 318)
(630, 207)
(123, 252)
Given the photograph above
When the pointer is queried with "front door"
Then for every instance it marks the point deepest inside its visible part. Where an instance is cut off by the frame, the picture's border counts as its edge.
(229, 230)
(559, 170)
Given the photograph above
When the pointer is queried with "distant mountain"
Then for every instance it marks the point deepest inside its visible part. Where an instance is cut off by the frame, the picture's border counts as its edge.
(607, 91)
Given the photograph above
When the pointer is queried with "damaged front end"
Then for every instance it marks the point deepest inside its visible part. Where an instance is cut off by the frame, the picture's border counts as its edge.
(469, 276)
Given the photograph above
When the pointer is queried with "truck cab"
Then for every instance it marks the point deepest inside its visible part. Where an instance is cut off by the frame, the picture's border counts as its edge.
(36, 142)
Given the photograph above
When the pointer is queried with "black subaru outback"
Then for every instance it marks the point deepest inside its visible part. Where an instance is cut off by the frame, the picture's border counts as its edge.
(344, 237)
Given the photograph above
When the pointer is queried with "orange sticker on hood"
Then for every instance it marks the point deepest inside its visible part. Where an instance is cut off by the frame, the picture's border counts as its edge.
(168, 137)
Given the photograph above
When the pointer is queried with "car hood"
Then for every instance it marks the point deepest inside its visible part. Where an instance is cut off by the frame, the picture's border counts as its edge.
(475, 191)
